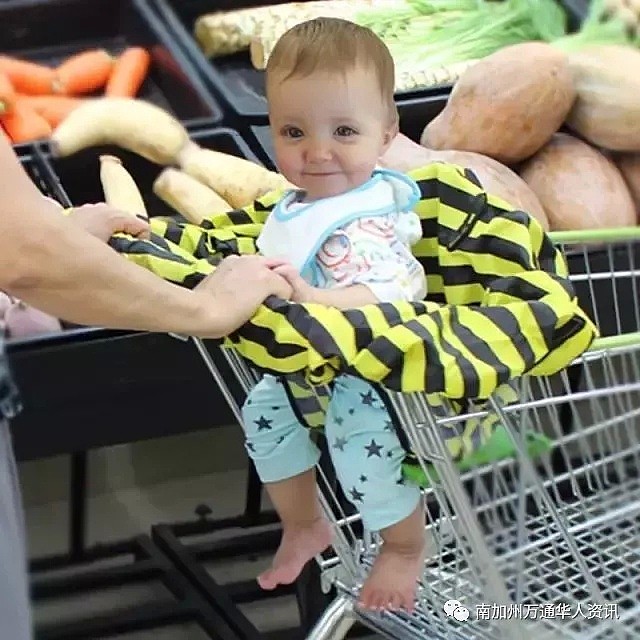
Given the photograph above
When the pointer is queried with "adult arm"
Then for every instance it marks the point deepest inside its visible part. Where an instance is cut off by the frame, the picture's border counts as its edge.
(53, 264)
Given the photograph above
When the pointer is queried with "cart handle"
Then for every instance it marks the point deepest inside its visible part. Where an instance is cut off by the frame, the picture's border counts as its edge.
(615, 342)
(596, 235)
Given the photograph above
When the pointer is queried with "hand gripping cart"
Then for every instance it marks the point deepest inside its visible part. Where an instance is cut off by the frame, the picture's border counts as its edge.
(544, 542)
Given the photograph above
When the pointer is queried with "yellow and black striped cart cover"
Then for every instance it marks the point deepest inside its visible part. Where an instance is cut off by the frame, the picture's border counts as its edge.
(499, 305)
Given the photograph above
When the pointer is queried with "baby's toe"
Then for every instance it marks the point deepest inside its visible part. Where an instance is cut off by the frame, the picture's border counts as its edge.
(408, 600)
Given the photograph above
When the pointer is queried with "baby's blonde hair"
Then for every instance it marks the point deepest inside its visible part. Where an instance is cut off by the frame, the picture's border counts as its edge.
(333, 45)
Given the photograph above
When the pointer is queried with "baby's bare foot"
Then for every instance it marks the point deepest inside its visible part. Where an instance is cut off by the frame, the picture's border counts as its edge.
(299, 544)
(392, 583)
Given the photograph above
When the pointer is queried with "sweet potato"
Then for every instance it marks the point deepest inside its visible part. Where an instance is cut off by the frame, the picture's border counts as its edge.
(22, 320)
(578, 186)
(508, 105)
(405, 155)
(607, 108)
(629, 166)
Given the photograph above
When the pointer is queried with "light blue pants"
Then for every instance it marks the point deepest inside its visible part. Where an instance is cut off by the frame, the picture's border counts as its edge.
(364, 447)
(15, 614)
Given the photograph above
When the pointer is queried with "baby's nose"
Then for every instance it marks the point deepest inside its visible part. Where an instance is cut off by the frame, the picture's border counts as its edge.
(318, 152)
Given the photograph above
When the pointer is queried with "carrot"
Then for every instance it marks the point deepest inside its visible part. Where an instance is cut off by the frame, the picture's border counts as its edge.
(23, 124)
(83, 72)
(27, 77)
(128, 74)
(7, 94)
(54, 109)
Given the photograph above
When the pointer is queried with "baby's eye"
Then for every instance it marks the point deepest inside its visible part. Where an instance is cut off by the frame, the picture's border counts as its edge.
(344, 132)
(292, 132)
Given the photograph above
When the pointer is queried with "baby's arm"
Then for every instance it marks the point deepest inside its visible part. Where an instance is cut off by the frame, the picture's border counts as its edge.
(357, 295)
(371, 270)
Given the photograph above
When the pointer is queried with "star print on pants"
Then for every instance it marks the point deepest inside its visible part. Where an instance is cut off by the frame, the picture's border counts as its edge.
(263, 424)
(339, 443)
(388, 425)
(250, 446)
(367, 398)
(363, 479)
(338, 420)
(356, 495)
(373, 449)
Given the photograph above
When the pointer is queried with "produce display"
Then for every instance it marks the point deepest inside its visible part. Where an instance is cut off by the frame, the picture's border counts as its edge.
(433, 42)
(201, 177)
(568, 123)
(508, 105)
(518, 119)
(36, 98)
(547, 120)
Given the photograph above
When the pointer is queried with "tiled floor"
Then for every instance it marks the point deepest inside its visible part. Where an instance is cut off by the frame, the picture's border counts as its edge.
(131, 511)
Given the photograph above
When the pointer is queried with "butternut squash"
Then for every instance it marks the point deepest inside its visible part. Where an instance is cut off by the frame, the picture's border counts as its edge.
(578, 186)
(506, 106)
(404, 155)
(607, 107)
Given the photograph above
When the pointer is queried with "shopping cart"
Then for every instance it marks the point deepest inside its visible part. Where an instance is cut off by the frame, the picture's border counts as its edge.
(524, 546)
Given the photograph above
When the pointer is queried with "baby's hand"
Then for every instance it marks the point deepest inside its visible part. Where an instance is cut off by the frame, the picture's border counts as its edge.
(302, 291)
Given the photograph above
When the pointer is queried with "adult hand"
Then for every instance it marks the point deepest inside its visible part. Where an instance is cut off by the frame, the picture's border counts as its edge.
(102, 221)
(240, 285)
(301, 290)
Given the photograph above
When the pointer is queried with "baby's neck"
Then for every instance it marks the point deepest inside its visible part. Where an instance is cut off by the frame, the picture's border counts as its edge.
(304, 197)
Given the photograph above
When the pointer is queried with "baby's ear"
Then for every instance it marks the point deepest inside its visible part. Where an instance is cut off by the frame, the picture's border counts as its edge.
(389, 137)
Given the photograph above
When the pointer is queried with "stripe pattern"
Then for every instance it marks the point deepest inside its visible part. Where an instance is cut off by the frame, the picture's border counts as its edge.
(500, 304)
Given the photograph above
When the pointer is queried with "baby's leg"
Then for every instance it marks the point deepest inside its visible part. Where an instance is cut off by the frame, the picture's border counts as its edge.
(367, 455)
(285, 458)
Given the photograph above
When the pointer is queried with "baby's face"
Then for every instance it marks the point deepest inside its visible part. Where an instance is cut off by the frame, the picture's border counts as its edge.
(329, 130)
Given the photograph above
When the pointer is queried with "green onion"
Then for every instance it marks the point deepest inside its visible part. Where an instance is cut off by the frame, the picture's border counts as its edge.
(597, 29)
(437, 33)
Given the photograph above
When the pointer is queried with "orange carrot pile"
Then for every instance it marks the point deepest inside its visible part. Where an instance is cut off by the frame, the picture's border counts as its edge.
(129, 72)
(7, 94)
(35, 98)
(24, 124)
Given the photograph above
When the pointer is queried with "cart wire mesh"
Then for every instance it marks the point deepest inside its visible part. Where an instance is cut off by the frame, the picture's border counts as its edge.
(523, 547)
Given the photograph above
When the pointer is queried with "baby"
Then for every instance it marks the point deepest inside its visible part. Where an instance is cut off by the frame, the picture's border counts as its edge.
(345, 237)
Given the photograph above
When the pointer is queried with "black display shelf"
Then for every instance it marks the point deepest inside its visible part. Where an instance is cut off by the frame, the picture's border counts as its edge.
(47, 31)
(179, 604)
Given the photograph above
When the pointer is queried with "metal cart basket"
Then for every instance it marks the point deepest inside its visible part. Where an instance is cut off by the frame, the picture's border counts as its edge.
(532, 545)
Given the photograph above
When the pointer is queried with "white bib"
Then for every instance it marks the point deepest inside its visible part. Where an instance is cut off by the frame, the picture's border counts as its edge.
(296, 231)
